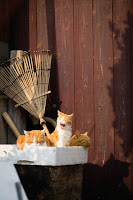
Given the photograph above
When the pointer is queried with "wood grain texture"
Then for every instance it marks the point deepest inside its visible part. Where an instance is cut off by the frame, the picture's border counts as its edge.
(42, 34)
(65, 54)
(123, 76)
(53, 102)
(83, 71)
(4, 21)
(3, 125)
(19, 24)
(103, 84)
(91, 42)
(32, 25)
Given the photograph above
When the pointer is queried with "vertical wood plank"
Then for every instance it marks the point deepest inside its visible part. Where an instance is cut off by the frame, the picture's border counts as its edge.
(50, 24)
(53, 99)
(4, 21)
(19, 25)
(123, 76)
(32, 25)
(103, 80)
(83, 54)
(4, 55)
(129, 28)
(42, 34)
(65, 55)
(3, 125)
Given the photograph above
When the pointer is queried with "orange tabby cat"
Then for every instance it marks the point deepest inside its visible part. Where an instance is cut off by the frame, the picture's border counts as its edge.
(79, 140)
(63, 130)
(35, 137)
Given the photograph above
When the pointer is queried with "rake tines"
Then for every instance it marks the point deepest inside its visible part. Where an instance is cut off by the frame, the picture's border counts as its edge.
(27, 83)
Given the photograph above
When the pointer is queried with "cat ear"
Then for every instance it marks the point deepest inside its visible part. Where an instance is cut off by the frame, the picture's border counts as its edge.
(71, 116)
(86, 133)
(26, 133)
(77, 134)
(43, 132)
(59, 113)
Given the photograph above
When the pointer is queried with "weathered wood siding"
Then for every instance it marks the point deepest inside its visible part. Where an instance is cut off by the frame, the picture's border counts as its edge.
(92, 52)
(92, 46)
(14, 29)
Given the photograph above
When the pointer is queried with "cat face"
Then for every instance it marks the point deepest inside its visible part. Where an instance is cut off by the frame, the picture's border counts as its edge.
(79, 140)
(64, 121)
(35, 136)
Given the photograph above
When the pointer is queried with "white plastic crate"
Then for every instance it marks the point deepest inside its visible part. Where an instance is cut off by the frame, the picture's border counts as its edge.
(50, 156)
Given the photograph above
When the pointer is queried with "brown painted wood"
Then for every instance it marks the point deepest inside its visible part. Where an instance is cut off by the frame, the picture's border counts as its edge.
(103, 84)
(79, 34)
(50, 22)
(83, 61)
(53, 103)
(42, 34)
(3, 125)
(123, 76)
(32, 25)
(105, 182)
(65, 54)
(129, 23)
(4, 21)
(19, 24)
(3, 98)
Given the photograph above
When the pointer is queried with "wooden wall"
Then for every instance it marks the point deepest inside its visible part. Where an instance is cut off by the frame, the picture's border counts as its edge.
(14, 29)
(14, 23)
(92, 46)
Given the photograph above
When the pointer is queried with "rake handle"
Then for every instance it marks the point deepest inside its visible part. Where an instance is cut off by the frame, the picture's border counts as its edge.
(11, 124)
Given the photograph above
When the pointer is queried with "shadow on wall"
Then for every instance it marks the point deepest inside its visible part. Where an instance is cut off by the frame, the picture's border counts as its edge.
(106, 183)
(53, 103)
(122, 83)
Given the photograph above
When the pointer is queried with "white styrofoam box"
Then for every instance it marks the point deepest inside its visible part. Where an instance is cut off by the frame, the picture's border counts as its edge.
(40, 155)
(9, 182)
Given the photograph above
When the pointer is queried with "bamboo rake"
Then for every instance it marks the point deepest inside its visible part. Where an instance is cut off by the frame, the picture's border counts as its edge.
(26, 82)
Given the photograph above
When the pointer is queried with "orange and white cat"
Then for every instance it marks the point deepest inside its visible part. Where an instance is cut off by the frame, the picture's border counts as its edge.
(79, 140)
(32, 138)
(63, 131)
(60, 136)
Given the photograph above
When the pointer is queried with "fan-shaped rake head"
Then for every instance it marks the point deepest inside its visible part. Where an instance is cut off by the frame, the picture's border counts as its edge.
(26, 81)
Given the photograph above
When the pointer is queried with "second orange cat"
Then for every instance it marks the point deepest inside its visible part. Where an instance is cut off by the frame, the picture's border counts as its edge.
(34, 137)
